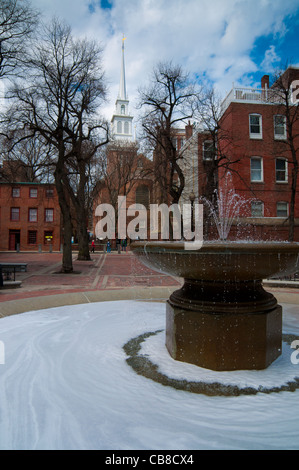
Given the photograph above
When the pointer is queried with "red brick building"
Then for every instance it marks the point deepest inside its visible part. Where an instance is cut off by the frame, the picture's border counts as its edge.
(259, 144)
(30, 217)
(253, 141)
(128, 174)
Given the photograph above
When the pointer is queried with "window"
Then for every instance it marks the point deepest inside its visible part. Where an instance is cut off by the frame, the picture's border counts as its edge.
(33, 192)
(280, 131)
(257, 209)
(256, 169)
(126, 127)
(32, 237)
(119, 127)
(32, 215)
(122, 109)
(14, 214)
(49, 193)
(49, 215)
(139, 163)
(16, 192)
(208, 150)
(281, 170)
(143, 196)
(255, 126)
(282, 209)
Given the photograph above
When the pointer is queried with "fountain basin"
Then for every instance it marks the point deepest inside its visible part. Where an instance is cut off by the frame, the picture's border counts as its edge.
(222, 318)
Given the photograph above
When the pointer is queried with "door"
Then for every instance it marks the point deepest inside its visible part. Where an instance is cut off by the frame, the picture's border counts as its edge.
(14, 239)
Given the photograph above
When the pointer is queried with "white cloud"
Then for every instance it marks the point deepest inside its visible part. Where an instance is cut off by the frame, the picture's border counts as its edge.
(215, 37)
(270, 60)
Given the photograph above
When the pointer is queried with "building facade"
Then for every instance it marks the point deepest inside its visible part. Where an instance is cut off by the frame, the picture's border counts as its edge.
(263, 164)
(30, 217)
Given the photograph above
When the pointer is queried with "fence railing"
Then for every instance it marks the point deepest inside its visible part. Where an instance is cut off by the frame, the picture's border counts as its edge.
(256, 95)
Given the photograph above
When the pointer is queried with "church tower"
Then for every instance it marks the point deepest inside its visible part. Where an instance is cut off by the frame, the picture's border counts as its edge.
(121, 121)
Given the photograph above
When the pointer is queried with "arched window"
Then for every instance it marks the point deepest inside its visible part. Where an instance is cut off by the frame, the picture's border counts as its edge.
(143, 195)
(119, 127)
(126, 127)
(123, 109)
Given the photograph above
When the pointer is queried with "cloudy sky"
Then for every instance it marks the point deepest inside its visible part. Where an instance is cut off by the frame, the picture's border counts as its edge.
(224, 41)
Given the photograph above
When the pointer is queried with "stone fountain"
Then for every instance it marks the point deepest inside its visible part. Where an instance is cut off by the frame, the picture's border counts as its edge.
(222, 318)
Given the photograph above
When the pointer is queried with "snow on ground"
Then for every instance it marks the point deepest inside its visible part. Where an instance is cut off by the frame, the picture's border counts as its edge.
(66, 384)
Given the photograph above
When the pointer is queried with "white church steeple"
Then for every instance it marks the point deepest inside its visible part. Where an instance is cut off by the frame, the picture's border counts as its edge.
(121, 120)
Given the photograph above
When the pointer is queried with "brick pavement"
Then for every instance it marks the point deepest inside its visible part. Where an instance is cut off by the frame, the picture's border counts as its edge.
(104, 271)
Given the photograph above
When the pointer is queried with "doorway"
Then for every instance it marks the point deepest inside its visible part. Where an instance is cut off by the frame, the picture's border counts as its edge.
(14, 239)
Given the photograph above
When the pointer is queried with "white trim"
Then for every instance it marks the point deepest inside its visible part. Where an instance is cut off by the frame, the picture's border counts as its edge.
(286, 180)
(256, 135)
(279, 136)
(261, 170)
(287, 206)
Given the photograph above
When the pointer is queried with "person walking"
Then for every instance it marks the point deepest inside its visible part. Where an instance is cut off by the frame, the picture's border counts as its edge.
(108, 247)
(92, 246)
(124, 244)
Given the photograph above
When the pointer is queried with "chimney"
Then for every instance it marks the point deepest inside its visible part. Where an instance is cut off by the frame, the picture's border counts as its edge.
(189, 130)
(265, 82)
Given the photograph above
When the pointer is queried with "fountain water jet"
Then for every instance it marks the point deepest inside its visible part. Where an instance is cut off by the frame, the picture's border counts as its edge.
(227, 207)
(222, 318)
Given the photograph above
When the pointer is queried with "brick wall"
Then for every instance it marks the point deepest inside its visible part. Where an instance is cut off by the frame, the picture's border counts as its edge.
(29, 217)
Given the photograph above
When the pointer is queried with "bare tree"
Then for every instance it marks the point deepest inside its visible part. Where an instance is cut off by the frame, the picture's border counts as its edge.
(285, 95)
(29, 160)
(118, 167)
(17, 23)
(210, 116)
(59, 103)
(168, 103)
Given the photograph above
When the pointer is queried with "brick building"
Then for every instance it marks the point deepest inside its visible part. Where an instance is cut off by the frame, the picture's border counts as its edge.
(257, 123)
(29, 217)
(128, 174)
(254, 139)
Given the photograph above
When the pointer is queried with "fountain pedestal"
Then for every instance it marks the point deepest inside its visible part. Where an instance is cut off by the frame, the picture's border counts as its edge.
(222, 318)
(224, 325)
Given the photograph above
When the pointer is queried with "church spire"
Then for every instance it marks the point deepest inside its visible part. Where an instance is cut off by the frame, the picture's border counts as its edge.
(121, 120)
(122, 95)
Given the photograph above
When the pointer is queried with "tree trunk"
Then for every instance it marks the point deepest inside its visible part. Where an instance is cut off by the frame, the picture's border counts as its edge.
(67, 260)
(83, 241)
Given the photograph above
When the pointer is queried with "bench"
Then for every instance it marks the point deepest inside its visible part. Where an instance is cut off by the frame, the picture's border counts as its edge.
(11, 284)
(9, 270)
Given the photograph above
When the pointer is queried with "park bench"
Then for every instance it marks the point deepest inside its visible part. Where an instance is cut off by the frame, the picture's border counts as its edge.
(8, 274)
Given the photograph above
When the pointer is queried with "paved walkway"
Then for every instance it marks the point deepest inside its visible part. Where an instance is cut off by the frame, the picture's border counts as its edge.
(116, 276)
(110, 276)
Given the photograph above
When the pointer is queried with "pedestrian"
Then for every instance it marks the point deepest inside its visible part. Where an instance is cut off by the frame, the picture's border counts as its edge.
(108, 247)
(92, 246)
(1, 277)
(124, 244)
